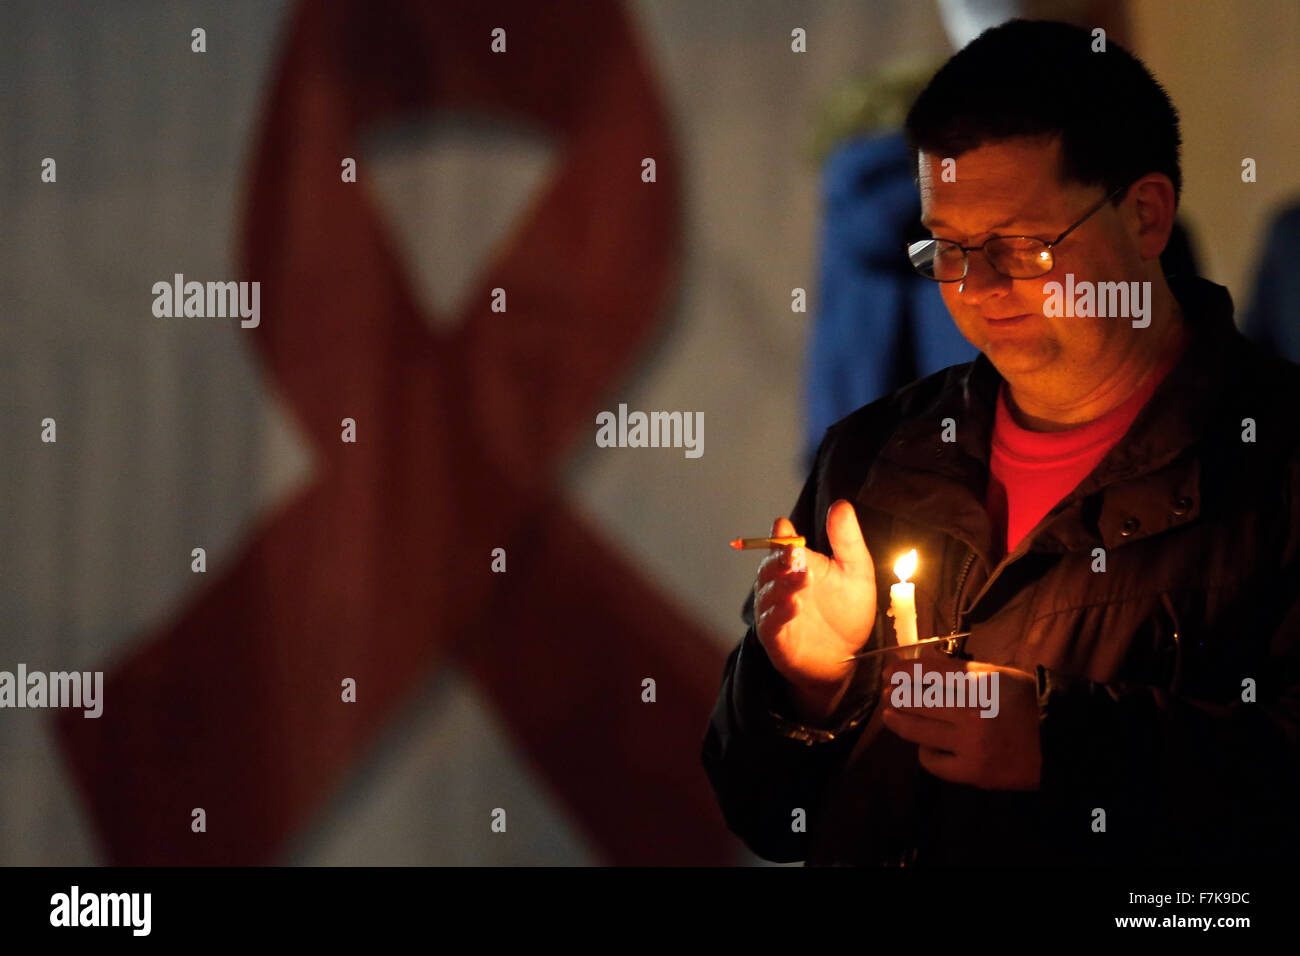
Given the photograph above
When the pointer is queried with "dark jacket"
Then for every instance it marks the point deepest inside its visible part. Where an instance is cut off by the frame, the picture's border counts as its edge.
(1140, 666)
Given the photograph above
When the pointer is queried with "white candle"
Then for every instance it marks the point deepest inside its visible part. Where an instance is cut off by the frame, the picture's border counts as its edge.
(902, 599)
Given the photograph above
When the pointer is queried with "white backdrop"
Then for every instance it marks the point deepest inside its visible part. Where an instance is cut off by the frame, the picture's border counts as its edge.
(168, 436)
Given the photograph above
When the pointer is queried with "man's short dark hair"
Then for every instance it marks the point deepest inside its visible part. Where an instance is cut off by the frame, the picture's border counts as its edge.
(1039, 78)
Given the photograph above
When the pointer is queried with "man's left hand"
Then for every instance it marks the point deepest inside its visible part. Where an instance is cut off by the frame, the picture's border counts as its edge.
(958, 744)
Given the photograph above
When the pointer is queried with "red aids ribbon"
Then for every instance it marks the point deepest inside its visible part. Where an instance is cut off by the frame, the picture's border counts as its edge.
(380, 569)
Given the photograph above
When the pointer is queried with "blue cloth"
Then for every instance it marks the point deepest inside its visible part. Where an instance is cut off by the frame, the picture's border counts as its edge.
(1274, 316)
(878, 324)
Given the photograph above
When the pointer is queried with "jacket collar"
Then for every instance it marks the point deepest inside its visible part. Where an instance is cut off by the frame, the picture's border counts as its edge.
(1147, 481)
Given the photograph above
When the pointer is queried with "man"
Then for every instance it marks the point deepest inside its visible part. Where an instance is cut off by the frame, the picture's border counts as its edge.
(1108, 503)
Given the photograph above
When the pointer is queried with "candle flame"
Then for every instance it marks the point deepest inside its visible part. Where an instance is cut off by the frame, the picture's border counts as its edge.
(906, 566)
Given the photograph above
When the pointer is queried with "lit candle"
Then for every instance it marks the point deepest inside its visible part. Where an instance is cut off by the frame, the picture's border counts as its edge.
(902, 599)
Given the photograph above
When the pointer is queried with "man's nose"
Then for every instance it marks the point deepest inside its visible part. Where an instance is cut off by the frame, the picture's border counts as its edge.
(981, 281)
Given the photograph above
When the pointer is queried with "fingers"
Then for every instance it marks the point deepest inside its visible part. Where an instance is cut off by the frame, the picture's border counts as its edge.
(776, 565)
(942, 764)
(983, 667)
(937, 743)
(845, 537)
(776, 581)
(775, 617)
(792, 558)
(781, 589)
(781, 560)
(925, 731)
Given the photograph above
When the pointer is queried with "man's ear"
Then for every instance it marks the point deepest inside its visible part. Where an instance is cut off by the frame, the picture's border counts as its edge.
(1150, 206)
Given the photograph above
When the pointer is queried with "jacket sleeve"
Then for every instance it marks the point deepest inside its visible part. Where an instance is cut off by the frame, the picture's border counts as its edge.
(1184, 780)
(763, 762)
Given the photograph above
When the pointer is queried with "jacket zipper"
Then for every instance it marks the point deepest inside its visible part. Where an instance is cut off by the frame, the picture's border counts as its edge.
(1175, 679)
(956, 601)
(909, 856)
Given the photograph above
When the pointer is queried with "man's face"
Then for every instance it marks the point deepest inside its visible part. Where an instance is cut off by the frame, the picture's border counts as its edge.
(1012, 188)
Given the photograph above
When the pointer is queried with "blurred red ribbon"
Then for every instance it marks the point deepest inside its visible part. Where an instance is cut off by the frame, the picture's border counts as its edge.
(380, 569)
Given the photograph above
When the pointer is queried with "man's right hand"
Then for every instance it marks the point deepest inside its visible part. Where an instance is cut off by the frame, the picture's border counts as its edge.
(810, 620)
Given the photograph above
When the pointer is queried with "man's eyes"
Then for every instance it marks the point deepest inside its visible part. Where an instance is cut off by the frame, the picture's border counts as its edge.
(973, 245)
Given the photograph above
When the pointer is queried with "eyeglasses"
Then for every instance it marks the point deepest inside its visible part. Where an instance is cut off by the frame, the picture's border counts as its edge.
(1016, 257)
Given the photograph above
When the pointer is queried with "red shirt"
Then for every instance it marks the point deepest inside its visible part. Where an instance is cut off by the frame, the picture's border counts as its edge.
(1029, 472)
